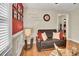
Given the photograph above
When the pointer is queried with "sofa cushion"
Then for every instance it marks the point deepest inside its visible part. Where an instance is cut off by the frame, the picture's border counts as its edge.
(61, 35)
(49, 32)
(44, 36)
(50, 43)
(40, 36)
(56, 35)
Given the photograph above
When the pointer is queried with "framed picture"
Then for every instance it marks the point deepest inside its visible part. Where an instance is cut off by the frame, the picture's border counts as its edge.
(17, 15)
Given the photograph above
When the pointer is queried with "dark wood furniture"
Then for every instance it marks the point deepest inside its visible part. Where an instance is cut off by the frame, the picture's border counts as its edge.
(28, 47)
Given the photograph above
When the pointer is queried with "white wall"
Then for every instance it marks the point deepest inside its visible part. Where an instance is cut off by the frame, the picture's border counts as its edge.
(33, 18)
(74, 25)
(17, 43)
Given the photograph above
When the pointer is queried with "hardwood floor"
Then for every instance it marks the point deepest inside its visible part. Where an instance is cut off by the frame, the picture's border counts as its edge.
(34, 52)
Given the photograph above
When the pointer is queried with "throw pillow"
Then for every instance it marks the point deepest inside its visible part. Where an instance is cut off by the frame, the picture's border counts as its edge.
(40, 35)
(56, 35)
(61, 35)
(44, 36)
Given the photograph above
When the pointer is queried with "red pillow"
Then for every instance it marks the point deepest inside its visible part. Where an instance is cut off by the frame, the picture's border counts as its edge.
(61, 35)
(40, 35)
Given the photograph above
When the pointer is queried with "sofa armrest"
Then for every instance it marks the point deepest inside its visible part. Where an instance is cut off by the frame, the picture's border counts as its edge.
(38, 44)
(37, 39)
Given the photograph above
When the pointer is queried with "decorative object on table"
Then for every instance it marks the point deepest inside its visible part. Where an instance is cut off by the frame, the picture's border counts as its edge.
(46, 17)
(27, 33)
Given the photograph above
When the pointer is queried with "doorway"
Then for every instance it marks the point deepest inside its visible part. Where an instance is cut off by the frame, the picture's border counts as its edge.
(62, 23)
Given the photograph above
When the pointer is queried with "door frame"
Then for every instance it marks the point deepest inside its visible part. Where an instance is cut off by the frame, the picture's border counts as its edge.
(67, 19)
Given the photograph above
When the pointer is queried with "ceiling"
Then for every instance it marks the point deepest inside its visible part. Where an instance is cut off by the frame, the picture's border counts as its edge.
(62, 7)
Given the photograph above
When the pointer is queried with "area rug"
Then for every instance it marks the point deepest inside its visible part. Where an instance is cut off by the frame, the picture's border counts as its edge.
(64, 52)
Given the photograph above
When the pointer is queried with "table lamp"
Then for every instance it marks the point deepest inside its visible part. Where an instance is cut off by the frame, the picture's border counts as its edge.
(27, 33)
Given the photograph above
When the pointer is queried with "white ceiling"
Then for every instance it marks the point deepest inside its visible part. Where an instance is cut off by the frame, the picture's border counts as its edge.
(62, 7)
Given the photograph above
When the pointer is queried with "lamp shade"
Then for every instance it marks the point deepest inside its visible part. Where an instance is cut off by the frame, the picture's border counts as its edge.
(28, 32)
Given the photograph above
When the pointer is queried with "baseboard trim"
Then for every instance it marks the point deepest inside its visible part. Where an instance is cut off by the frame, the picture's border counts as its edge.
(73, 40)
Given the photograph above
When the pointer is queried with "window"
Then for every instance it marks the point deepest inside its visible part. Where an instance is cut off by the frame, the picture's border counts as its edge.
(4, 28)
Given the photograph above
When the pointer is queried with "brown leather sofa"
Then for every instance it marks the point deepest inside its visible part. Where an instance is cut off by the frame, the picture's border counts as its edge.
(49, 43)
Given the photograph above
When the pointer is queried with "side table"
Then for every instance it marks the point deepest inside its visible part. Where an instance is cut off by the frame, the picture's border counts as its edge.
(27, 47)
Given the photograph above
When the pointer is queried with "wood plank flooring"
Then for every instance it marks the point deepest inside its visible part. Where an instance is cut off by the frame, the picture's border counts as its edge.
(34, 52)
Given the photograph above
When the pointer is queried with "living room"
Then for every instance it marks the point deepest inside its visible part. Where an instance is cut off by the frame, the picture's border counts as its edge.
(35, 13)
(56, 23)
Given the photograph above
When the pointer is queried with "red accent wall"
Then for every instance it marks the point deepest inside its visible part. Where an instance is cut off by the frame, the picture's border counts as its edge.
(17, 17)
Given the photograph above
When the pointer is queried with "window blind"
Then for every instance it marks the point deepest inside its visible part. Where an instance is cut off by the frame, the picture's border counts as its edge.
(4, 28)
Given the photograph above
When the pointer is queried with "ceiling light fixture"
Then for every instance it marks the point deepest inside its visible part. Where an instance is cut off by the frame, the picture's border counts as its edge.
(56, 3)
(74, 3)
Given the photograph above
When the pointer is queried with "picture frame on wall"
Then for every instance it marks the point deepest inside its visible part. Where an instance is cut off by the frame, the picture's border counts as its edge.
(17, 15)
